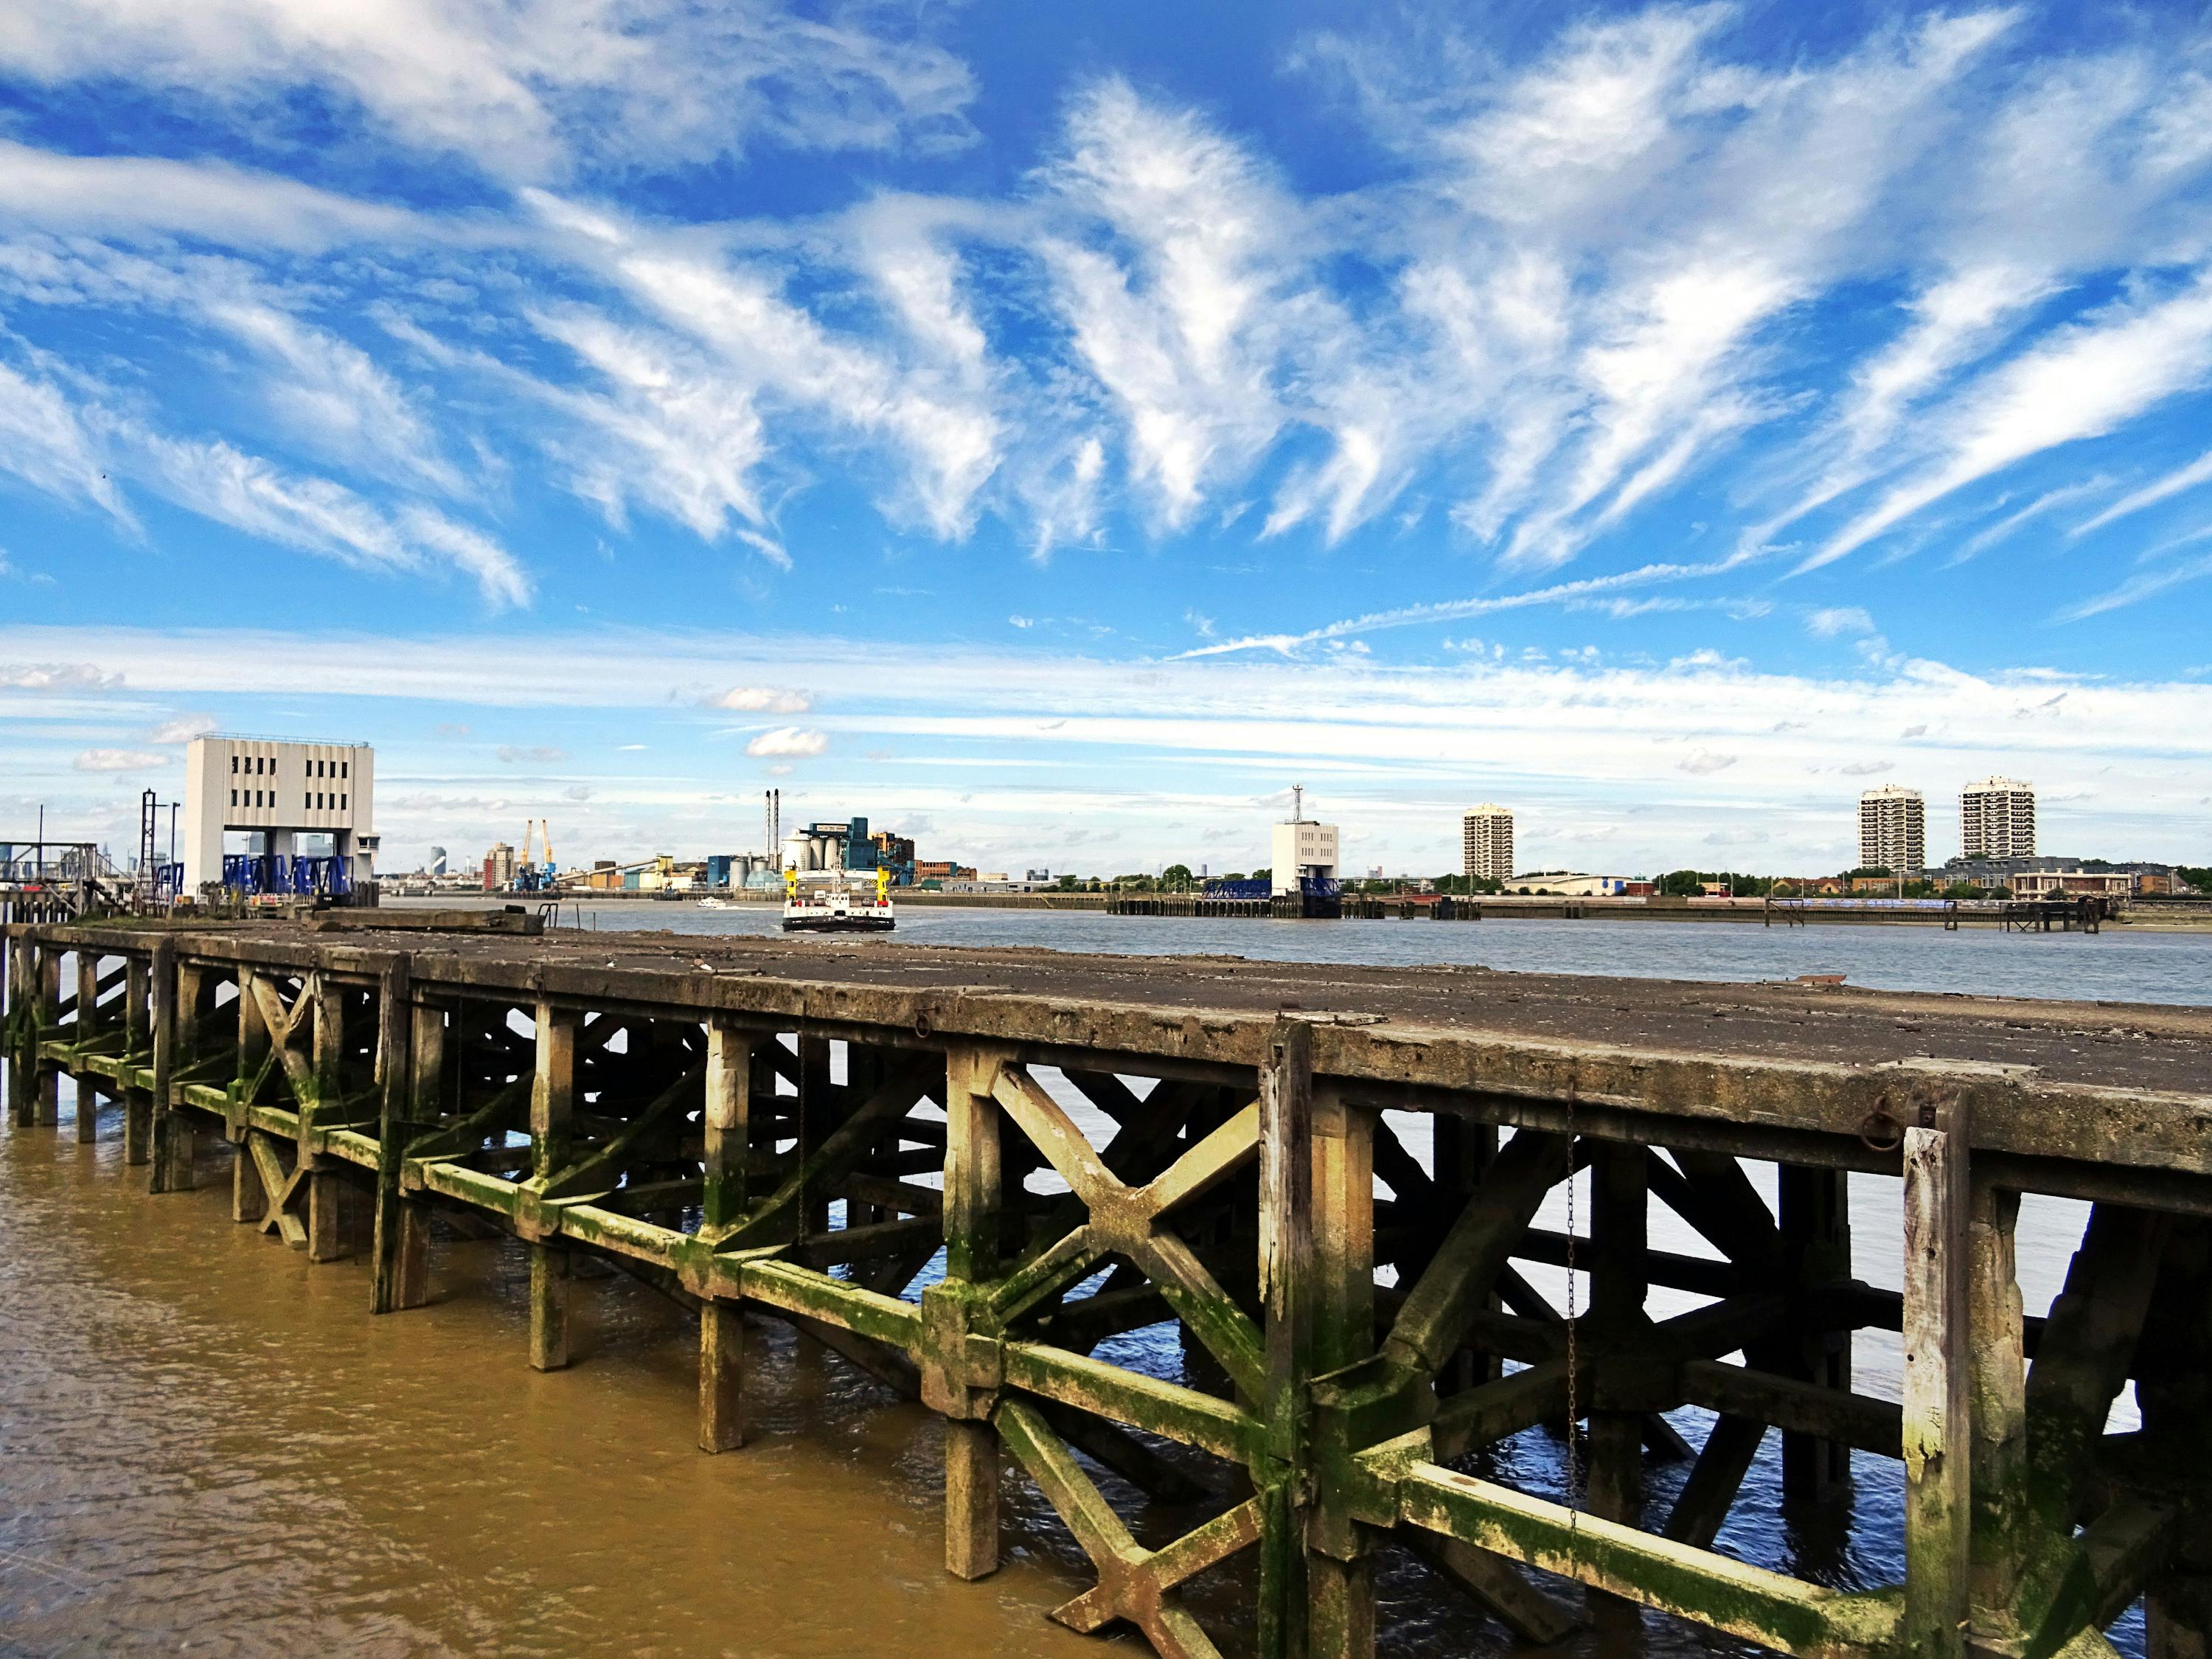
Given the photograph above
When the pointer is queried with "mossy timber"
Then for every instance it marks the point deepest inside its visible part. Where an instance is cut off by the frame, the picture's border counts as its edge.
(683, 1122)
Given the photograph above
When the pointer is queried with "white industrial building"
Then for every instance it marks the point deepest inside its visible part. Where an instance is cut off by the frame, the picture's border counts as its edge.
(1997, 819)
(273, 793)
(1302, 848)
(1893, 830)
(1486, 843)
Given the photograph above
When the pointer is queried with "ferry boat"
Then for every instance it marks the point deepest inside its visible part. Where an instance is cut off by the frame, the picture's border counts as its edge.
(830, 902)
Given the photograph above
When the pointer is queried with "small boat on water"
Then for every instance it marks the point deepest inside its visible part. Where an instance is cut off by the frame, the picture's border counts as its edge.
(715, 905)
(835, 901)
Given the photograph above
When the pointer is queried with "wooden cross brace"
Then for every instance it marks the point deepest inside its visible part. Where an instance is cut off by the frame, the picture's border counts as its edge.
(1131, 1222)
(283, 1188)
(1134, 1583)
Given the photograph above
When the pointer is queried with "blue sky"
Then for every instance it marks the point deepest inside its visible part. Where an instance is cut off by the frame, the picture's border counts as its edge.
(1057, 437)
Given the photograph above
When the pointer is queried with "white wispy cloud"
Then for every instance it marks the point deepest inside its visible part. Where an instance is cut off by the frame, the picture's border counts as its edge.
(2173, 483)
(528, 89)
(2087, 380)
(1592, 268)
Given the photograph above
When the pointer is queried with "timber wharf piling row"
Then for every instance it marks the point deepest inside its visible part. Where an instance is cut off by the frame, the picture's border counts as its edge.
(676, 1107)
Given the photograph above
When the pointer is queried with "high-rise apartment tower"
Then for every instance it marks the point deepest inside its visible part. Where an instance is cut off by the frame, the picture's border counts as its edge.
(1892, 830)
(1997, 817)
(1485, 835)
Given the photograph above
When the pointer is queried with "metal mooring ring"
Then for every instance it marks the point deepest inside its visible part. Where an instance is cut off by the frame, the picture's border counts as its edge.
(1880, 1131)
(921, 1024)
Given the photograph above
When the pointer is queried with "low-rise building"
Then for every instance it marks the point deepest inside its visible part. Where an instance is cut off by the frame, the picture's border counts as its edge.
(1572, 884)
(2067, 883)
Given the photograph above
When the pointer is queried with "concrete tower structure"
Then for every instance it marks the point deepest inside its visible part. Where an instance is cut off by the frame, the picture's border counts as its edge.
(1302, 848)
(1893, 830)
(1486, 843)
(1997, 819)
(278, 792)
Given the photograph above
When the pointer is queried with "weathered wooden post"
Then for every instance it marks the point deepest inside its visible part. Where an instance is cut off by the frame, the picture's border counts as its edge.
(2173, 1386)
(552, 1112)
(326, 1240)
(1938, 1204)
(1461, 1152)
(138, 1103)
(971, 1247)
(88, 1025)
(817, 1119)
(397, 1263)
(1621, 1199)
(1997, 1387)
(1286, 1176)
(48, 1009)
(1814, 1217)
(1340, 1566)
(726, 1121)
(175, 1143)
(249, 1196)
(425, 1025)
(21, 1001)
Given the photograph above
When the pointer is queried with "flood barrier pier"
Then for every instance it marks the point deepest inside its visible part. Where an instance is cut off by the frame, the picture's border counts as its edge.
(883, 1146)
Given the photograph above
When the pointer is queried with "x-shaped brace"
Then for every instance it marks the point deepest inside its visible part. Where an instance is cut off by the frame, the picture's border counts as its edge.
(1129, 1222)
(1134, 1583)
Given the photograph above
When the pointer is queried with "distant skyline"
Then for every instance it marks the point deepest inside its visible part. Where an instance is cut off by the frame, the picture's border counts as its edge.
(1054, 435)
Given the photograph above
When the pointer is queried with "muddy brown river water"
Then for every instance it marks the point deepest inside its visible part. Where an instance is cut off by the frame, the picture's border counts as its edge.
(208, 1445)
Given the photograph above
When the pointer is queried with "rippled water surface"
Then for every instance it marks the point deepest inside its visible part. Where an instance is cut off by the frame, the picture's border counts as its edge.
(2115, 965)
(208, 1445)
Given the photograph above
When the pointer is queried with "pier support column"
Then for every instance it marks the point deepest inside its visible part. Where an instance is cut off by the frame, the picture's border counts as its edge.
(1338, 1565)
(1621, 1197)
(176, 1143)
(87, 1026)
(2173, 1386)
(1938, 1202)
(327, 1195)
(23, 1002)
(409, 1053)
(721, 1376)
(1814, 1217)
(1461, 1153)
(47, 1073)
(818, 1121)
(1285, 1266)
(726, 1123)
(552, 1114)
(1997, 1388)
(972, 1245)
(138, 1103)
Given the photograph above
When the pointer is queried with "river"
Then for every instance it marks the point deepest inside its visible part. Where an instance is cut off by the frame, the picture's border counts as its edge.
(207, 1444)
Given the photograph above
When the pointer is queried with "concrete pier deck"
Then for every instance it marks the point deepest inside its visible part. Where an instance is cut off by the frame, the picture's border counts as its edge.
(841, 1135)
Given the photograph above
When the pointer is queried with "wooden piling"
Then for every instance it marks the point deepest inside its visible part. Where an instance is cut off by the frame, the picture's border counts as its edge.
(47, 1110)
(552, 1121)
(1620, 1202)
(1339, 1564)
(137, 1026)
(971, 1243)
(176, 1140)
(1938, 1453)
(389, 1266)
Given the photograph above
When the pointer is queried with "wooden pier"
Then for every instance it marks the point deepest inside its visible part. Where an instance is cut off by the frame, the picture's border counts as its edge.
(858, 1139)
